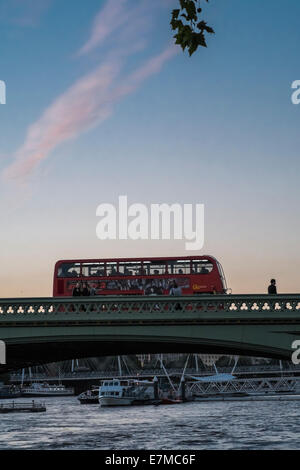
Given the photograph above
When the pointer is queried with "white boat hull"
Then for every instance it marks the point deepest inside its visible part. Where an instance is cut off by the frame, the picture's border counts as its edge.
(47, 394)
(115, 401)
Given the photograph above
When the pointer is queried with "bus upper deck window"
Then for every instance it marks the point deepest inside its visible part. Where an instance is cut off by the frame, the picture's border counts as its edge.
(130, 268)
(69, 270)
(111, 269)
(202, 267)
(155, 268)
(93, 269)
(179, 267)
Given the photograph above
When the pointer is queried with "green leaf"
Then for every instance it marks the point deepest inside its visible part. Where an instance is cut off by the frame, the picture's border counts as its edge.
(175, 14)
(201, 40)
(191, 10)
(202, 25)
(191, 30)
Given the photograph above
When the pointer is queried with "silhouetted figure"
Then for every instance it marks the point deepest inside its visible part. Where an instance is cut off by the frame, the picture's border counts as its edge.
(272, 289)
(92, 291)
(175, 290)
(204, 270)
(77, 291)
(86, 290)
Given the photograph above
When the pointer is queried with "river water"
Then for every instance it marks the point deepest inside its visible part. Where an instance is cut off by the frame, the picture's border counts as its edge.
(220, 425)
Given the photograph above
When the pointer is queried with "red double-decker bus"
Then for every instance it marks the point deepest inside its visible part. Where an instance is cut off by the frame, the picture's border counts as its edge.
(141, 276)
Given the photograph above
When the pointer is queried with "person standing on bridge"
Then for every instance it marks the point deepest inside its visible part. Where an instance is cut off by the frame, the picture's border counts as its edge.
(272, 289)
(175, 290)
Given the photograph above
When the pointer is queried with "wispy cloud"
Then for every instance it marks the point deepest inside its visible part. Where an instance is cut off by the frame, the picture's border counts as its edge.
(119, 18)
(89, 101)
(109, 19)
(23, 12)
(80, 107)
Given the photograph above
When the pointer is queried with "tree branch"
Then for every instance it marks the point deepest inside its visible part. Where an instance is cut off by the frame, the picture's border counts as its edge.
(191, 29)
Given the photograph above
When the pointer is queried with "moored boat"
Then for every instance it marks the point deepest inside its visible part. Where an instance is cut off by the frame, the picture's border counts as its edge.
(170, 401)
(9, 391)
(46, 390)
(129, 392)
(89, 396)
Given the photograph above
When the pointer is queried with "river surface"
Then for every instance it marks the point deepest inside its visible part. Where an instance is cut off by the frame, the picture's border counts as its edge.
(220, 425)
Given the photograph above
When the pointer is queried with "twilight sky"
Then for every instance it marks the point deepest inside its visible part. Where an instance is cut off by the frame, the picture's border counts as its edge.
(100, 103)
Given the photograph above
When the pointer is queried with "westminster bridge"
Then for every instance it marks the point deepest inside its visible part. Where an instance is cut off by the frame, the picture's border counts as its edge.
(43, 330)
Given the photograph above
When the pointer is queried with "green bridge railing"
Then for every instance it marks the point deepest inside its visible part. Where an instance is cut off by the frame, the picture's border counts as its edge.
(232, 304)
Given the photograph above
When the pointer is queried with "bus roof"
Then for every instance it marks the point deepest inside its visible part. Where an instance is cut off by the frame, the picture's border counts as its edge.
(150, 258)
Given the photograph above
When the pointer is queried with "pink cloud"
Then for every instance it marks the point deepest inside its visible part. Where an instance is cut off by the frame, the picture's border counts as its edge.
(109, 19)
(154, 64)
(120, 19)
(88, 102)
(80, 107)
